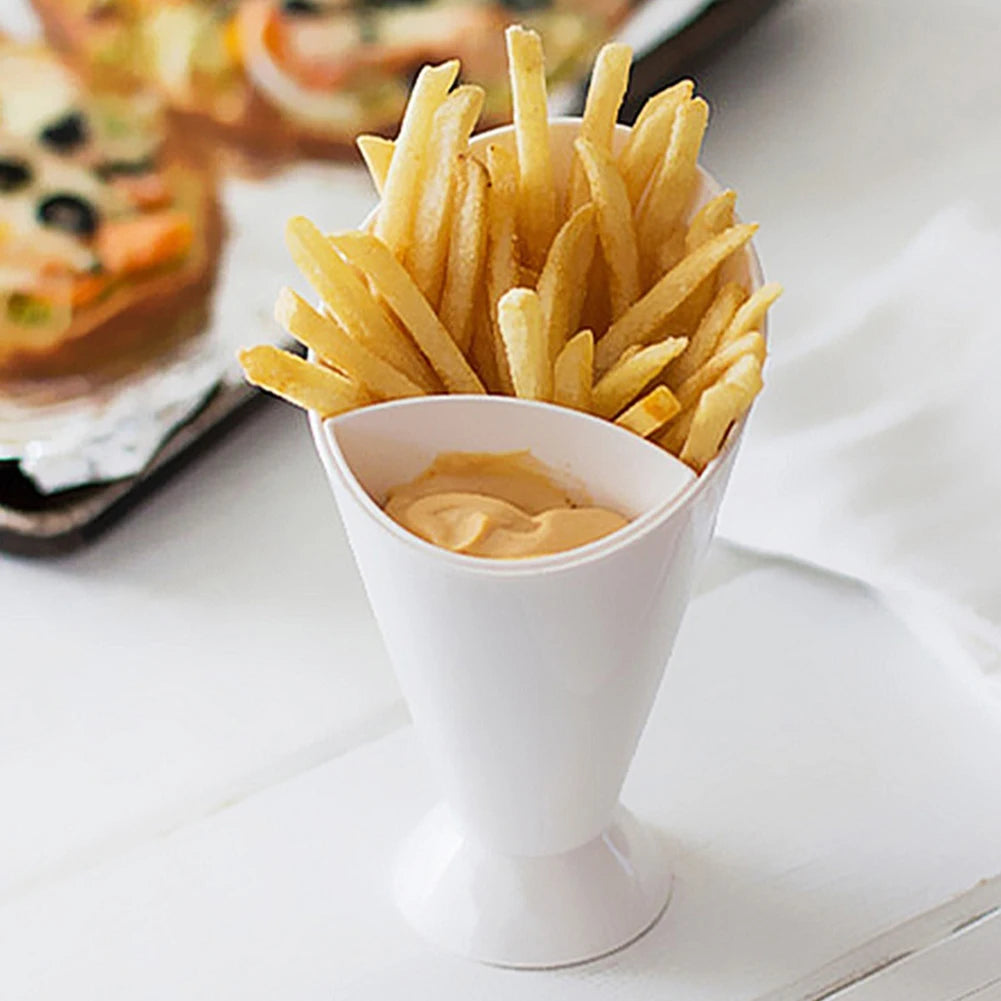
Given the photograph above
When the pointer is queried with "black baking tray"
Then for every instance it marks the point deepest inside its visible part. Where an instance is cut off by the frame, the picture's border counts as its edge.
(33, 524)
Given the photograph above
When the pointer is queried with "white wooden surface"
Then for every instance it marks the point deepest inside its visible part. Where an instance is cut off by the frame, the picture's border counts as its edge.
(788, 763)
(197, 795)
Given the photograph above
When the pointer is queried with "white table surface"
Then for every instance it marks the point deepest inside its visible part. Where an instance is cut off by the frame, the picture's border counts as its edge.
(198, 725)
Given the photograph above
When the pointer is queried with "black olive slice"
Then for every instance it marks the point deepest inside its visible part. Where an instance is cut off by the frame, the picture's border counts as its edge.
(525, 5)
(69, 213)
(301, 8)
(66, 134)
(14, 175)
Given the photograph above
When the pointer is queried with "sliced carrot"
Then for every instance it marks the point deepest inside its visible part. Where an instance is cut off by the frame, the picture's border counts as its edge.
(144, 191)
(87, 288)
(60, 287)
(129, 245)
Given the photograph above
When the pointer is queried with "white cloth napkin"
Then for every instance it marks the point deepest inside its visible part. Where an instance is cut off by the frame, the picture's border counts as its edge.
(875, 450)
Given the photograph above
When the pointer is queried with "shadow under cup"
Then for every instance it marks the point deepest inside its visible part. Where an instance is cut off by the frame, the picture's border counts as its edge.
(529, 681)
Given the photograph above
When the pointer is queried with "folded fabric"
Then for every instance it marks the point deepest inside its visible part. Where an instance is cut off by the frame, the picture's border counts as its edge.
(874, 450)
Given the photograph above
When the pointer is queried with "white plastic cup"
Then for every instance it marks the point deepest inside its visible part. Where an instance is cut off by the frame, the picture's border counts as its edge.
(529, 681)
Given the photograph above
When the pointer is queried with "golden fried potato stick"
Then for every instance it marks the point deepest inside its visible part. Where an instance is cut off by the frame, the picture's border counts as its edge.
(615, 225)
(714, 217)
(561, 286)
(483, 349)
(352, 304)
(644, 149)
(573, 372)
(502, 256)
(454, 122)
(596, 313)
(301, 382)
(671, 188)
(327, 338)
(536, 193)
(527, 277)
(670, 253)
(467, 251)
(707, 335)
(392, 282)
(519, 314)
(645, 318)
(710, 220)
(394, 224)
(609, 81)
(719, 407)
(689, 391)
(650, 413)
(751, 313)
(631, 374)
(377, 152)
(673, 438)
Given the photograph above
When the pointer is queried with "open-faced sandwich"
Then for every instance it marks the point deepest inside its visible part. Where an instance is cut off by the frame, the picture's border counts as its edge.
(108, 235)
(304, 72)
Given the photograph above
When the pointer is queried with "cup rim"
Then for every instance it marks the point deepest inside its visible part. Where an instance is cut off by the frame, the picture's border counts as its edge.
(600, 548)
(635, 531)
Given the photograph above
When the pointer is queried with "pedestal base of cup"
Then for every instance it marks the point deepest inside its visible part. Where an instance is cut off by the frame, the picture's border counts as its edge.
(532, 912)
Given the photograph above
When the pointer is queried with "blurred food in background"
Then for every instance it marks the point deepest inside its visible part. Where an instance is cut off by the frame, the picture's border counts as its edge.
(280, 76)
(107, 231)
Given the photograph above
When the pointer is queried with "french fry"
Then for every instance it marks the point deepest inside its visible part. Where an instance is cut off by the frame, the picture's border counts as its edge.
(502, 257)
(718, 408)
(707, 335)
(573, 372)
(536, 194)
(327, 338)
(561, 290)
(394, 224)
(615, 225)
(467, 249)
(714, 217)
(397, 288)
(698, 382)
(519, 315)
(648, 138)
(483, 351)
(377, 152)
(673, 438)
(631, 374)
(596, 314)
(690, 391)
(453, 123)
(650, 413)
(710, 220)
(672, 186)
(645, 318)
(670, 252)
(300, 382)
(467, 258)
(609, 80)
(352, 304)
(527, 277)
(751, 313)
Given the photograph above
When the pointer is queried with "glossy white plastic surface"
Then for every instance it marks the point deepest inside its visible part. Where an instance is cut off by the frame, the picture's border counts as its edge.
(529, 682)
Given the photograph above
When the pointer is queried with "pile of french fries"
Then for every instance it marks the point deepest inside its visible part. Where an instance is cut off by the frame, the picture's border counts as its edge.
(478, 275)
